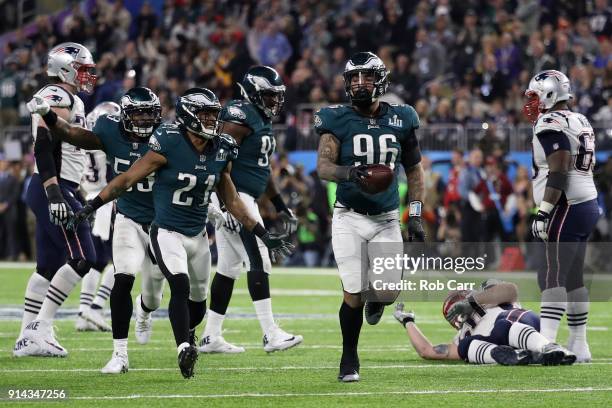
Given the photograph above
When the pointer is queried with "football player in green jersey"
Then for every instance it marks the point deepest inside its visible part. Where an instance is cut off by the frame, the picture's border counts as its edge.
(352, 137)
(125, 139)
(190, 158)
(249, 122)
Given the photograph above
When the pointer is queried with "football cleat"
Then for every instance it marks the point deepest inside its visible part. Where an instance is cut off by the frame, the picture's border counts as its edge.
(218, 345)
(83, 325)
(554, 354)
(41, 333)
(348, 376)
(186, 360)
(280, 340)
(24, 347)
(118, 364)
(94, 316)
(506, 355)
(349, 369)
(374, 311)
(581, 349)
(144, 324)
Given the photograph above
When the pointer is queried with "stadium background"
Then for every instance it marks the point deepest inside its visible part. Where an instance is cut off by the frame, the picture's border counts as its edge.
(463, 65)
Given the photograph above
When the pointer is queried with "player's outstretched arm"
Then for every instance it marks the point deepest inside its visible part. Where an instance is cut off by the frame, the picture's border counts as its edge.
(144, 166)
(327, 157)
(411, 160)
(420, 342)
(59, 126)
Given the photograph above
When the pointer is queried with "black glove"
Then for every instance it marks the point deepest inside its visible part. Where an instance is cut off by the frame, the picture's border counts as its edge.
(59, 209)
(290, 223)
(276, 243)
(461, 309)
(83, 214)
(355, 174)
(415, 229)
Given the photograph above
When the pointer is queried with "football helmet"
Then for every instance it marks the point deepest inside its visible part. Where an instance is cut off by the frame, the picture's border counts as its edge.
(143, 102)
(545, 90)
(193, 102)
(264, 88)
(104, 108)
(452, 298)
(362, 64)
(73, 64)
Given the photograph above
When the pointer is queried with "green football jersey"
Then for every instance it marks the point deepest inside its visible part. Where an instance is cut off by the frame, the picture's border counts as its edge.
(121, 152)
(182, 187)
(251, 171)
(365, 140)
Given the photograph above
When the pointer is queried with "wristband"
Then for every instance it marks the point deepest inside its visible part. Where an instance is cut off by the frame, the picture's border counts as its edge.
(54, 193)
(546, 207)
(342, 172)
(407, 319)
(415, 208)
(476, 306)
(50, 118)
(279, 204)
(96, 203)
(259, 231)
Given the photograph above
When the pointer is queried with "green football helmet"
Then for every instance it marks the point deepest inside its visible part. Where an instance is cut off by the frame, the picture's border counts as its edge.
(365, 63)
(264, 88)
(140, 111)
(193, 102)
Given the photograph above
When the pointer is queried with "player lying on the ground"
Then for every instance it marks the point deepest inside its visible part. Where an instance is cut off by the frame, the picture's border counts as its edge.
(492, 329)
(190, 158)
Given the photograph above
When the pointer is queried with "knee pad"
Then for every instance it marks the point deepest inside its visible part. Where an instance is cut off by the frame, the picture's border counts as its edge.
(179, 285)
(80, 266)
(259, 284)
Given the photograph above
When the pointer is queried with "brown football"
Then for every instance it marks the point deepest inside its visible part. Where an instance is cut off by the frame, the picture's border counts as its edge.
(379, 179)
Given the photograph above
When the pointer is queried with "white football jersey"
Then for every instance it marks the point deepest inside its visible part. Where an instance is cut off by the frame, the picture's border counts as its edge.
(72, 161)
(94, 177)
(578, 130)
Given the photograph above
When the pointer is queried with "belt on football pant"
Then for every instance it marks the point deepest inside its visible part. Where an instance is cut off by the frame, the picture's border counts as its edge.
(145, 227)
(369, 213)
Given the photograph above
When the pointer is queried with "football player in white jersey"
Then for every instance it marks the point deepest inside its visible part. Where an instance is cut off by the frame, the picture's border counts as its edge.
(94, 180)
(564, 191)
(51, 196)
(493, 328)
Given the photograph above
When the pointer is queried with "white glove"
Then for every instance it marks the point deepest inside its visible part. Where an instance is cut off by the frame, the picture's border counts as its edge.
(59, 213)
(231, 224)
(539, 226)
(216, 216)
(38, 105)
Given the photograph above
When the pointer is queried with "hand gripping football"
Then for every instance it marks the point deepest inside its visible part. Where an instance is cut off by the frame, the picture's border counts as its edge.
(379, 179)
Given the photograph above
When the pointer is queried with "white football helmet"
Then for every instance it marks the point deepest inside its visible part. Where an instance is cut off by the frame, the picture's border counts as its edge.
(104, 108)
(544, 91)
(73, 64)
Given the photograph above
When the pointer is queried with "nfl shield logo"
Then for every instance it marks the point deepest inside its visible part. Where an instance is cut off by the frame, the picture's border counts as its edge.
(135, 146)
(202, 158)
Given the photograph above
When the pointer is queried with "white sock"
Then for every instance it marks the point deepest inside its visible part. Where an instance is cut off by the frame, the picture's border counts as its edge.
(263, 310)
(106, 285)
(88, 288)
(577, 315)
(214, 324)
(182, 346)
(479, 352)
(34, 296)
(522, 336)
(552, 309)
(60, 287)
(120, 346)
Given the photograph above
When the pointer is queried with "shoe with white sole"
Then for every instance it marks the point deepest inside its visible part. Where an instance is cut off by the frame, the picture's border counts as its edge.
(95, 317)
(41, 333)
(581, 350)
(280, 340)
(24, 347)
(118, 364)
(83, 325)
(218, 344)
(144, 324)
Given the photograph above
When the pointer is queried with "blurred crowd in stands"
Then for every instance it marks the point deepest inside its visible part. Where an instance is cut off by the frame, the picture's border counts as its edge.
(456, 61)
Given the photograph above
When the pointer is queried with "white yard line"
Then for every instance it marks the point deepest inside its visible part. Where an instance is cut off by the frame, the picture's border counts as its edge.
(345, 394)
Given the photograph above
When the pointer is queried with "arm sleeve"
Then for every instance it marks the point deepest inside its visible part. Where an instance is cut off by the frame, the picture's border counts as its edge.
(553, 140)
(411, 152)
(44, 151)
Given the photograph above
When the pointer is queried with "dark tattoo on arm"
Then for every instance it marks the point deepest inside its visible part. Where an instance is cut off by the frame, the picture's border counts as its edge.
(327, 156)
(416, 182)
(441, 349)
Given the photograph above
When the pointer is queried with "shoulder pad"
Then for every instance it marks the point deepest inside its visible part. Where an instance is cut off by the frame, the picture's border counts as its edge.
(550, 121)
(408, 113)
(324, 119)
(164, 136)
(56, 96)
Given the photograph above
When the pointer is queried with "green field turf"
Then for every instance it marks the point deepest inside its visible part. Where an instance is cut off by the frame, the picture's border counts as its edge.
(392, 374)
